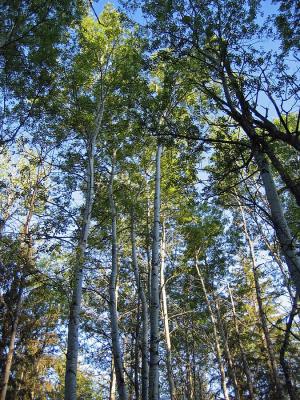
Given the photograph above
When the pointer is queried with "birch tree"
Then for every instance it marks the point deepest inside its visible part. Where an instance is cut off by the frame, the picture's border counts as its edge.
(99, 41)
(155, 287)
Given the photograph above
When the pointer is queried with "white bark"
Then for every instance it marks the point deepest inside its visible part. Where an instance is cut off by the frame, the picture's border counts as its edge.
(172, 388)
(247, 370)
(144, 314)
(112, 386)
(216, 335)
(74, 317)
(276, 386)
(284, 235)
(231, 367)
(136, 353)
(115, 334)
(155, 301)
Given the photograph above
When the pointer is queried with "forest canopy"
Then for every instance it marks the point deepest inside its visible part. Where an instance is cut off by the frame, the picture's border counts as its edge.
(149, 200)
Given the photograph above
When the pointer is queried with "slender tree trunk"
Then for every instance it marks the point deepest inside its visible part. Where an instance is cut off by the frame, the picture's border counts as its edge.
(246, 368)
(190, 383)
(112, 386)
(276, 386)
(11, 347)
(187, 362)
(74, 316)
(115, 334)
(231, 368)
(291, 183)
(172, 388)
(196, 393)
(148, 245)
(278, 261)
(284, 365)
(144, 314)
(155, 302)
(216, 335)
(136, 354)
(285, 238)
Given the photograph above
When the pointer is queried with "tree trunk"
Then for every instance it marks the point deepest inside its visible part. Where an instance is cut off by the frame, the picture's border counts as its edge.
(277, 259)
(74, 316)
(246, 368)
(282, 230)
(216, 335)
(144, 314)
(115, 335)
(231, 368)
(291, 183)
(136, 357)
(112, 385)
(148, 244)
(155, 302)
(172, 388)
(276, 386)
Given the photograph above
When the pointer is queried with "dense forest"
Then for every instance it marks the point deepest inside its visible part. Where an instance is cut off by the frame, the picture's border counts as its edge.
(149, 200)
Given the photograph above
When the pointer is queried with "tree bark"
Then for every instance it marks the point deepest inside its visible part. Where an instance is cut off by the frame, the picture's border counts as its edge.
(276, 385)
(291, 183)
(172, 388)
(136, 358)
(276, 257)
(215, 334)
(246, 368)
(231, 368)
(115, 334)
(74, 316)
(112, 384)
(285, 238)
(144, 313)
(155, 301)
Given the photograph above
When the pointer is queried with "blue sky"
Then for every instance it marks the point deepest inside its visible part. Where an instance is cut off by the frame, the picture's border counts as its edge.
(267, 5)
(99, 5)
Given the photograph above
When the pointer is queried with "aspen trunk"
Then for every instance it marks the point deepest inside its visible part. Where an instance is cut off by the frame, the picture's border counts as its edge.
(74, 316)
(144, 314)
(231, 368)
(291, 183)
(148, 245)
(281, 227)
(246, 368)
(276, 386)
(155, 302)
(136, 357)
(278, 261)
(112, 384)
(115, 334)
(216, 335)
(172, 388)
